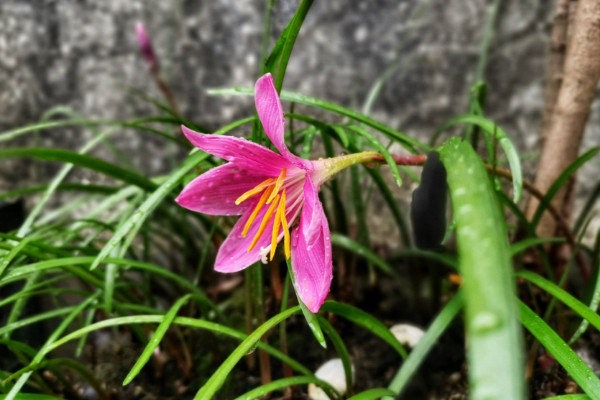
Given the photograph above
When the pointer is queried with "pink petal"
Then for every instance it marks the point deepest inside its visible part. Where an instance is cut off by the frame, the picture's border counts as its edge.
(240, 151)
(215, 191)
(312, 264)
(233, 255)
(312, 213)
(270, 113)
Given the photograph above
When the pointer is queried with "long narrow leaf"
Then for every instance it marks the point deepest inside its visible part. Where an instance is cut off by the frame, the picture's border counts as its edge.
(365, 320)
(579, 371)
(155, 340)
(492, 129)
(419, 353)
(215, 382)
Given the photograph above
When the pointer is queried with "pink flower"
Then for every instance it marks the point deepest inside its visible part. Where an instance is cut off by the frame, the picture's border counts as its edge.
(145, 45)
(272, 193)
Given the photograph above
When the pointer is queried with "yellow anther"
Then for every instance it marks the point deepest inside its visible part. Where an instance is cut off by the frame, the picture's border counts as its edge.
(277, 223)
(264, 222)
(261, 203)
(278, 185)
(286, 236)
(256, 190)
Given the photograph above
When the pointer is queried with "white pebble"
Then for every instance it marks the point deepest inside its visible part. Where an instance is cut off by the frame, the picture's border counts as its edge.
(331, 372)
(407, 335)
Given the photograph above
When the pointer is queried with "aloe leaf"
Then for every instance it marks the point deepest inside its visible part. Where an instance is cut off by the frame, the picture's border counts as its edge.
(495, 341)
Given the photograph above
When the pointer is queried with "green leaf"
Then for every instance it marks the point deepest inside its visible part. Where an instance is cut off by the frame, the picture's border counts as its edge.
(495, 341)
(290, 39)
(155, 339)
(81, 160)
(579, 371)
(365, 320)
(560, 182)
(287, 382)
(27, 396)
(311, 319)
(355, 247)
(27, 371)
(566, 298)
(382, 149)
(594, 303)
(419, 353)
(393, 134)
(494, 130)
(591, 201)
(215, 382)
(524, 244)
(70, 263)
(342, 352)
(184, 321)
(372, 394)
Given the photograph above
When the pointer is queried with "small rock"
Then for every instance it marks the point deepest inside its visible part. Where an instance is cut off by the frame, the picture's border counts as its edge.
(406, 334)
(331, 372)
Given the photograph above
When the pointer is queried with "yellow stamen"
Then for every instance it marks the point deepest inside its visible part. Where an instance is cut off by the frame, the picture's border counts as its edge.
(278, 185)
(286, 236)
(256, 190)
(261, 203)
(276, 223)
(265, 221)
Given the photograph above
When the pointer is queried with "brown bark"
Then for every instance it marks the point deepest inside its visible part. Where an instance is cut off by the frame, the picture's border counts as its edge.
(556, 58)
(580, 79)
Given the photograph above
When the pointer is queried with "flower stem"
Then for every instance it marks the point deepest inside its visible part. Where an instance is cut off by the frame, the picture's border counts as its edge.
(327, 168)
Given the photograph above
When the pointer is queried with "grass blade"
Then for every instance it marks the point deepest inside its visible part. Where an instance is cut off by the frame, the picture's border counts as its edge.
(393, 134)
(579, 371)
(155, 340)
(365, 320)
(566, 298)
(291, 33)
(81, 160)
(492, 129)
(372, 394)
(355, 247)
(286, 382)
(419, 353)
(311, 319)
(215, 382)
(560, 182)
(342, 352)
(382, 149)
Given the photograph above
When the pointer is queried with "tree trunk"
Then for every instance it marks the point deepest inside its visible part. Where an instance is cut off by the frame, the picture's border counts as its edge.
(569, 117)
